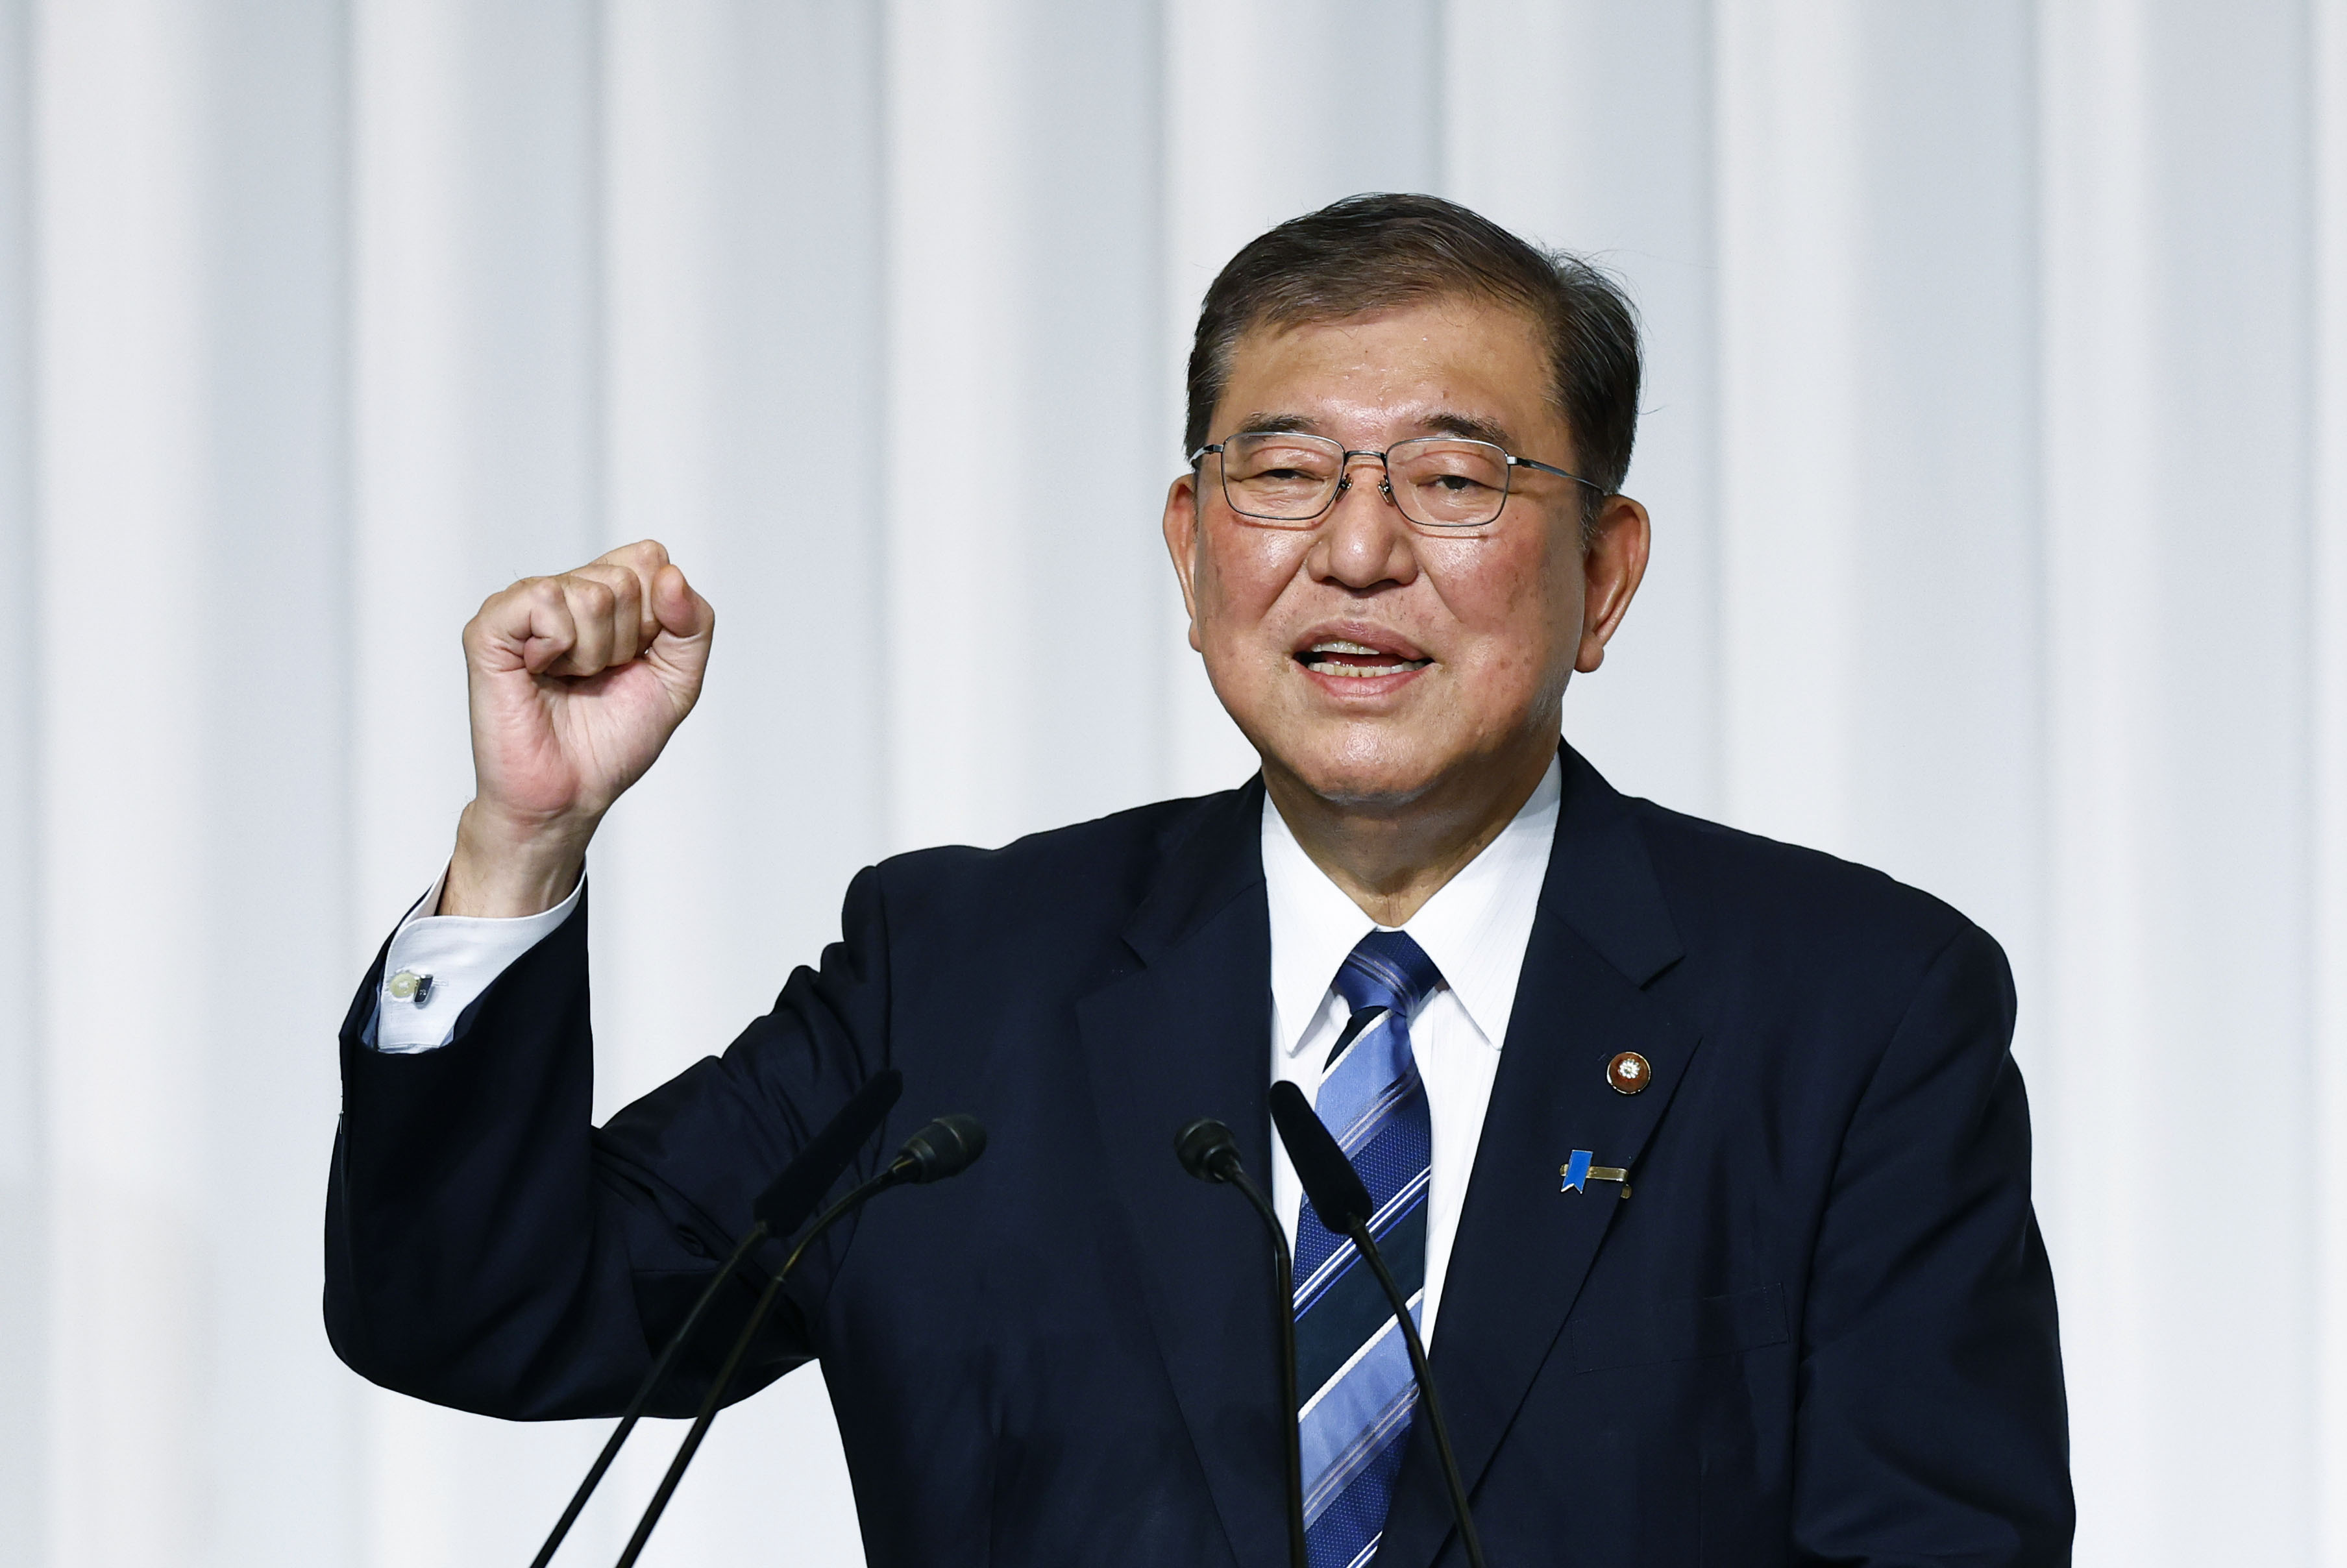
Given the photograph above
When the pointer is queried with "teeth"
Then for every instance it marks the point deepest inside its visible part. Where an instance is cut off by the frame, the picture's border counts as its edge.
(1361, 672)
(1394, 664)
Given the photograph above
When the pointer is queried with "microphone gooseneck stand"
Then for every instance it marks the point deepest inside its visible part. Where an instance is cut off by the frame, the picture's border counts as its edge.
(1208, 1152)
(635, 1409)
(1342, 1202)
(945, 1147)
(779, 1211)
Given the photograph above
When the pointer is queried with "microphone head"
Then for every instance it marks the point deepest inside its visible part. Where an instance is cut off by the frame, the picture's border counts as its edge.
(945, 1147)
(796, 1193)
(1328, 1179)
(1207, 1150)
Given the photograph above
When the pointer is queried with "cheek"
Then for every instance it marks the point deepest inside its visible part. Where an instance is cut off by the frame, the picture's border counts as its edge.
(1243, 572)
(1524, 608)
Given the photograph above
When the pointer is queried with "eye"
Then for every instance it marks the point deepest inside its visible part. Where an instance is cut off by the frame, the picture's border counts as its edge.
(1284, 460)
(1460, 483)
(1280, 475)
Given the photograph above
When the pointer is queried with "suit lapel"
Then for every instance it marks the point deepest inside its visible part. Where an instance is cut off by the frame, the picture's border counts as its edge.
(1523, 1247)
(1187, 1035)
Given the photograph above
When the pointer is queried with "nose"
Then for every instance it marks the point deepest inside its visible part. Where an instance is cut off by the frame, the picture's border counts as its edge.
(1364, 541)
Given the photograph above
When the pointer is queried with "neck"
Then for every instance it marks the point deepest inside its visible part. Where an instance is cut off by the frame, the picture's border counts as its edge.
(1391, 858)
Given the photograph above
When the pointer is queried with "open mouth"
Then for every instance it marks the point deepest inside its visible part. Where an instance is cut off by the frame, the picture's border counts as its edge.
(1355, 660)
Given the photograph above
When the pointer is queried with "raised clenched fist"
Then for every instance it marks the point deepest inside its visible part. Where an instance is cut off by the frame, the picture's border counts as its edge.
(577, 681)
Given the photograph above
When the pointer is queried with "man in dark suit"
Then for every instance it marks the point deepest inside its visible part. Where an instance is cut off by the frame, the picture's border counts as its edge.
(1709, 1152)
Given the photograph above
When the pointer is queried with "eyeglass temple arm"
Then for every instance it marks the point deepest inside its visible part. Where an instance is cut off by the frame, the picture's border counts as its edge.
(1516, 462)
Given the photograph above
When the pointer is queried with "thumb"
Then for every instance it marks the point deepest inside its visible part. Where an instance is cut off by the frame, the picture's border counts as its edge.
(680, 649)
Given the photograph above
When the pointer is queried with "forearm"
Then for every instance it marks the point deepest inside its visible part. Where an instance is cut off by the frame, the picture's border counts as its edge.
(461, 1234)
(485, 1250)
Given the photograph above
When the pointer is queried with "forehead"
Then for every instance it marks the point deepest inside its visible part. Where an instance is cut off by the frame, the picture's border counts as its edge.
(1407, 364)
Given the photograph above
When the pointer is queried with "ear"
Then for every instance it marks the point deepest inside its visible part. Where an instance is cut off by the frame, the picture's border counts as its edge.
(1612, 564)
(1182, 543)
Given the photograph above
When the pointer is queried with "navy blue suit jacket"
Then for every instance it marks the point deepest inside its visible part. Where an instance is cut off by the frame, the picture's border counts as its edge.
(1821, 1330)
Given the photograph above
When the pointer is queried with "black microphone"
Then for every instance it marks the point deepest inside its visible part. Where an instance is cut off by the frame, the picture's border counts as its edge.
(1208, 1152)
(945, 1147)
(778, 1211)
(1342, 1202)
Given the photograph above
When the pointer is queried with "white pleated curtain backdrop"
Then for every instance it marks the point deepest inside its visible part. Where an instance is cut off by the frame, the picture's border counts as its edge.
(1996, 436)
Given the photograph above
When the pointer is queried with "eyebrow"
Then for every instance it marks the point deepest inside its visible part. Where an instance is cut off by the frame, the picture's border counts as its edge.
(1465, 426)
(1278, 425)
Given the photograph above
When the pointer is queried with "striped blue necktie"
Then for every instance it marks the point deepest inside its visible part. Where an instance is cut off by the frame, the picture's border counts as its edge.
(1352, 1370)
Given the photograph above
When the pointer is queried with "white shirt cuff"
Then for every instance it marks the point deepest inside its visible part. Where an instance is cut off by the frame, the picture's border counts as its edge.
(438, 965)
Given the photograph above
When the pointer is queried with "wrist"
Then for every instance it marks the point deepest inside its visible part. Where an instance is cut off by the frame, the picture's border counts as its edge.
(504, 869)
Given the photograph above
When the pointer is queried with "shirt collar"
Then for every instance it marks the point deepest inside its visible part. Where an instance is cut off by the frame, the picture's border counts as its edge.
(1475, 928)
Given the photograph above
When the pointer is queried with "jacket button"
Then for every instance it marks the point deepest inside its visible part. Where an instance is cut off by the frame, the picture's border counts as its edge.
(1629, 1072)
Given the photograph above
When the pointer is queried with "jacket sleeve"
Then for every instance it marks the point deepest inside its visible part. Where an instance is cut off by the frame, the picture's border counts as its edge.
(1931, 1426)
(488, 1249)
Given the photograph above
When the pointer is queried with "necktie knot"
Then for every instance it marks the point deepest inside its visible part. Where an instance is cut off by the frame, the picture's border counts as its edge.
(1387, 969)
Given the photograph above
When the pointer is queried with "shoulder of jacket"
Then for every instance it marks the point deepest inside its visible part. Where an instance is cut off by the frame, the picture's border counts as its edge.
(1107, 860)
(1753, 878)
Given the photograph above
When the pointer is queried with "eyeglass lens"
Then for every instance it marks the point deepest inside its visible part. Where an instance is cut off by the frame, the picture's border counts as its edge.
(1437, 481)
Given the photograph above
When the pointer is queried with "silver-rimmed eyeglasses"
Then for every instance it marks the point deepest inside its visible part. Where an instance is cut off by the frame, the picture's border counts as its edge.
(1436, 481)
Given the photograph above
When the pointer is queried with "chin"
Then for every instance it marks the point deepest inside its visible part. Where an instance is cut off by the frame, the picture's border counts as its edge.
(1384, 772)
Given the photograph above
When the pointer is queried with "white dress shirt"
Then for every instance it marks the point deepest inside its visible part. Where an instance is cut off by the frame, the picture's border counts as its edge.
(1475, 928)
(459, 955)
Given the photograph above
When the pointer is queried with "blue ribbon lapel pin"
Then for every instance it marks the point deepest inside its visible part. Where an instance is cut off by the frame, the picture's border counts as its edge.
(1578, 1173)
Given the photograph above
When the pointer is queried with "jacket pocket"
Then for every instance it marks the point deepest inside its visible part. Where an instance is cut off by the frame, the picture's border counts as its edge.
(1681, 1330)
